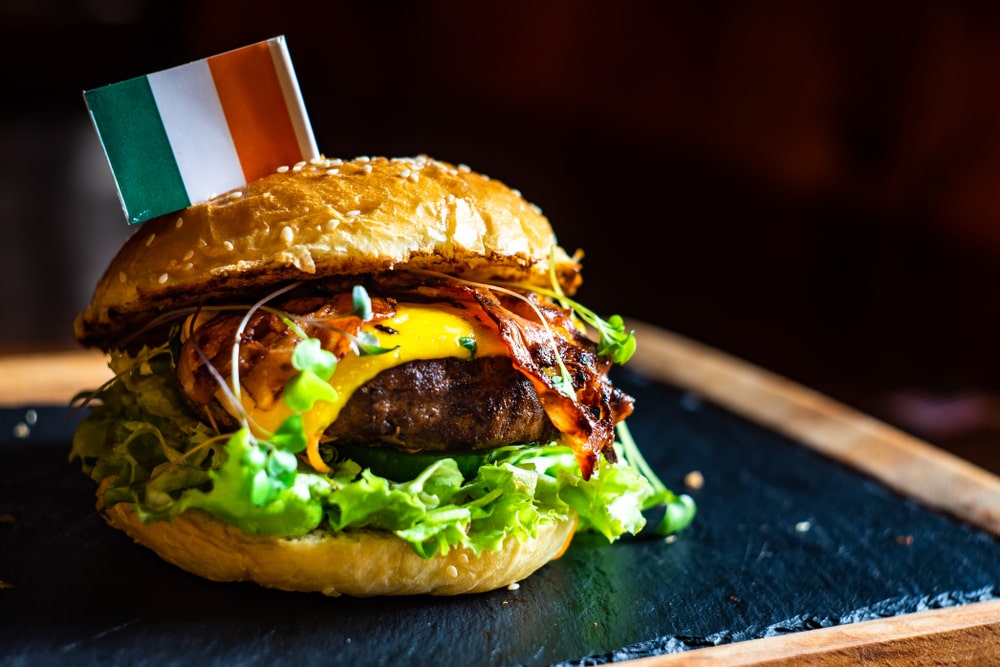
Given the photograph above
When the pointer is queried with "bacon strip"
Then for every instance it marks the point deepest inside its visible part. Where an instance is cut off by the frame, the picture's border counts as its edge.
(587, 419)
(267, 344)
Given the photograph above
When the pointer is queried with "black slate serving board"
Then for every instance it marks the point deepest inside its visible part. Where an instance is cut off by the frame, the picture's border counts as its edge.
(785, 540)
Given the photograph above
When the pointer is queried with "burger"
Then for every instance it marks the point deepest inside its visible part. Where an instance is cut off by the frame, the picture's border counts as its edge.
(364, 377)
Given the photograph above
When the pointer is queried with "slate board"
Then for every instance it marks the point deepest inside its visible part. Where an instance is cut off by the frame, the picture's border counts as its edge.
(786, 540)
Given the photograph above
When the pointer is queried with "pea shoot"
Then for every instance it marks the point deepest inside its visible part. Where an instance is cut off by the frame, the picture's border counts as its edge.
(678, 510)
(614, 341)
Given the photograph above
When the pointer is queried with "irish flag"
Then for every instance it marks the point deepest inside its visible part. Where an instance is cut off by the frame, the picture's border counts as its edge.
(180, 136)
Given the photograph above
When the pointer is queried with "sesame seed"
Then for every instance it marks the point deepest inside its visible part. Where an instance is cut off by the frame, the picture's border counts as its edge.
(363, 158)
(163, 278)
(188, 266)
(450, 198)
(514, 586)
(122, 278)
(368, 169)
(287, 234)
(404, 174)
(188, 255)
(228, 245)
(464, 168)
(353, 214)
(537, 209)
(332, 172)
(317, 160)
(179, 223)
(452, 571)
(516, 191)
(149, 241)
(414, 177)
(336, 162)
(283, 168)
(803, 527)
(332, 224)
(236, 194)
(298, 166)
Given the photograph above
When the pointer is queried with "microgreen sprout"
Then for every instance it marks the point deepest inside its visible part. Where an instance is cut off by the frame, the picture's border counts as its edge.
(362, 303)
(562, 381)
(309, 355)
(367, 343)
(614, 341)
(270, 468)
(469, 343)
(316, 367)
(290, 435)
(678, 510)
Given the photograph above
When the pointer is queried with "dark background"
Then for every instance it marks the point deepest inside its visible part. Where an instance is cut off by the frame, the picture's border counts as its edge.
(811, 186)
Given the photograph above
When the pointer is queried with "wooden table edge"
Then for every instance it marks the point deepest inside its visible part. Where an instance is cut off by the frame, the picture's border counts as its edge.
(50, 378)
(964, 635)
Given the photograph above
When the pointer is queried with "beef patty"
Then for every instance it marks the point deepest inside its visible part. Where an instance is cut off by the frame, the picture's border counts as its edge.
(444, 405)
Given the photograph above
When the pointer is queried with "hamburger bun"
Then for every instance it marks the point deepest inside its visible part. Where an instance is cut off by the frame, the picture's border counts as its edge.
(361, 563)
(327, 218)
(316, 228)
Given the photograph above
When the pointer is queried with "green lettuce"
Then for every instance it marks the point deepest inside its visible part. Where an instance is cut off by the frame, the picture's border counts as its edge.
(141, 435)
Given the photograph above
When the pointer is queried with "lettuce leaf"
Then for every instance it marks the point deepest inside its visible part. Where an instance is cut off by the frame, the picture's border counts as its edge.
(161, 458)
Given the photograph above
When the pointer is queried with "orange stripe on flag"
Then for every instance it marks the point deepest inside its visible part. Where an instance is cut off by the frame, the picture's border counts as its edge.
(255, 109)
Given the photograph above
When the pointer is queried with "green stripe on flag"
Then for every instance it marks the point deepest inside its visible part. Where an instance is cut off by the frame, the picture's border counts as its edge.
(129, 125)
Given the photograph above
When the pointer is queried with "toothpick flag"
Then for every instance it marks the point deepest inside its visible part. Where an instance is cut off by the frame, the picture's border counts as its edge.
(180, 136)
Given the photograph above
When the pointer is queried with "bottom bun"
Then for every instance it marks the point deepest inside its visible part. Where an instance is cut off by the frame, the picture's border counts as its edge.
(361, 563)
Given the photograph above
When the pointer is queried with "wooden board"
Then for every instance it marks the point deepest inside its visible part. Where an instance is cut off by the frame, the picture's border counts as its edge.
(967, 635)
(960, 634)
(964, 635)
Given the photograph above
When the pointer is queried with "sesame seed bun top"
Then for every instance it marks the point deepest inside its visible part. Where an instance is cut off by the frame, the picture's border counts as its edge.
(326, 218)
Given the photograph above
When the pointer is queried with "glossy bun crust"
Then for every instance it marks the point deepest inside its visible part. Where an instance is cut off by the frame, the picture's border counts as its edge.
(361, 563)
(326, 218)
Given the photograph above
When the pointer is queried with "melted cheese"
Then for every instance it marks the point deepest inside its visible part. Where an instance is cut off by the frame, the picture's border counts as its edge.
(420, 332)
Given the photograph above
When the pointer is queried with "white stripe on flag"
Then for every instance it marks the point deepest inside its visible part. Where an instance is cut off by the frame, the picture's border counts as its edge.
(197, 129)
(293, 97)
